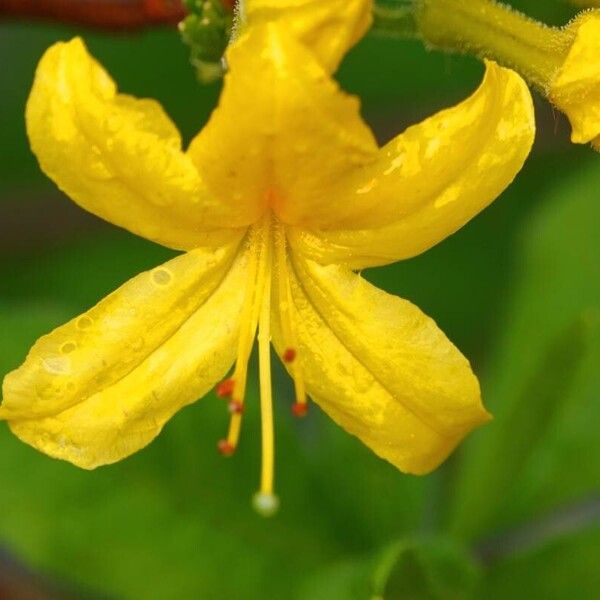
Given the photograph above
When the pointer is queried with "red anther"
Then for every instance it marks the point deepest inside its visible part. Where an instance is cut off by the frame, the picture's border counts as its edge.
(225, 448)
(236, 407)
(299, 409)
(225, 388)
(289, 355)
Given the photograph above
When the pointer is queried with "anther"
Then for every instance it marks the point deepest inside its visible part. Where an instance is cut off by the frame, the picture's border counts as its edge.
(235, 407)
(289, 355)
(266, 505)
(225, 448)
(225, 388)
(299, 409)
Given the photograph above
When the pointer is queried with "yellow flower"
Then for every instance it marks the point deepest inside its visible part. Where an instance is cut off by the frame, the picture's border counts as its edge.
(575, 89)
(276, 202)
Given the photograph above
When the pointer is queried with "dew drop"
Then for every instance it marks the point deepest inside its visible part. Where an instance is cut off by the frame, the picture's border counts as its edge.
(56, 365)
(161, 276)
(84, 322)
(68, 347)
(48, 390)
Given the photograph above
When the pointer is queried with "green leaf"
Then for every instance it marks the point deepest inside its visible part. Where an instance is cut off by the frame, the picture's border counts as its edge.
(543, 384)
(566, 567)
(411, 569)
(430, 569)
(348, 579)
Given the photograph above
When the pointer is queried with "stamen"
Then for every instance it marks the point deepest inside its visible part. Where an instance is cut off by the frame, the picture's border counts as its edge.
(254, 283)
(225, 388)
(288, 326)
(225, 448)
(299, 409)
(235, 407)
(289, 355)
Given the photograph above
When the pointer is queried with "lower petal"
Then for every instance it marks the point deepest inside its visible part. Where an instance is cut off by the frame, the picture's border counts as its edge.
(132, 361)
(381, 368)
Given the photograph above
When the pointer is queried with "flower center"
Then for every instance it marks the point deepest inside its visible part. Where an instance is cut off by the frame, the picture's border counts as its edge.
(268, 258)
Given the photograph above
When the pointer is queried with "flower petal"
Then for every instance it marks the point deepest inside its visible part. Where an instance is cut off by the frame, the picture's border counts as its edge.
(283, 133)
(380, 368)
(102, 386)
(329, 28)
(576, 88)
(432, 179)
(116, 156)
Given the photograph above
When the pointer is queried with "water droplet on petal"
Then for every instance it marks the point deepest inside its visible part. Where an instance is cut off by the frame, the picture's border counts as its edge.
(47, 390)
(68, 347)
(57, 365)
(84, 322)
(161, 276)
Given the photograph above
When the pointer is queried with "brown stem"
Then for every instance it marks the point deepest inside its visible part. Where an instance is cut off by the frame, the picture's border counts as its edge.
(104, 14)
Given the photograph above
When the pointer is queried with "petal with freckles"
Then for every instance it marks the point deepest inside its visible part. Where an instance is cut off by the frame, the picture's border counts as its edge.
(102, 386)
(432, 179)
(576, 88)
(380, 368)
(117, 156)
(283, 133)
(329, 29)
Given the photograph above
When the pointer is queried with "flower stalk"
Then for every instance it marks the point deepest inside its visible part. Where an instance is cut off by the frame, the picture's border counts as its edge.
(562, 63)
(495, 31)
(485, 28)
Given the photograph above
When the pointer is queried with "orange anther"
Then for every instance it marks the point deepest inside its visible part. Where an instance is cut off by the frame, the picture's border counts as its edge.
(236, 407)
(289, 355)
(225, 388)
(225, 448)
(299, 409)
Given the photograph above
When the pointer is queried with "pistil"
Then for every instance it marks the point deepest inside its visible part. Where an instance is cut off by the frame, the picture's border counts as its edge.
(265, 502)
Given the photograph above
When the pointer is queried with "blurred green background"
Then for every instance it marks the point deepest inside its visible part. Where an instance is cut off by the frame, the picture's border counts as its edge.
(515, 513)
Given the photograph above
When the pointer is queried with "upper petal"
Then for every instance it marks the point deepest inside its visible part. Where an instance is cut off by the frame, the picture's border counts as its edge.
(432, 179)
(116, 156)
(102, 386)
(576, 88)
(283, 133)
(379, 367)
(329, 28)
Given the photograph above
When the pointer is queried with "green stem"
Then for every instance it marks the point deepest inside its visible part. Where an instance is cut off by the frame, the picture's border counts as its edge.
(396, 21)
(492, 30)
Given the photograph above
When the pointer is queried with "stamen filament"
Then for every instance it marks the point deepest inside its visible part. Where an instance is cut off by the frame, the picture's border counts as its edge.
(256, 279)
(290, 355)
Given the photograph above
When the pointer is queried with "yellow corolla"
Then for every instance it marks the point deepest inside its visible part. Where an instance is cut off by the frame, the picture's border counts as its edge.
(276, 203)
(575, 89)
